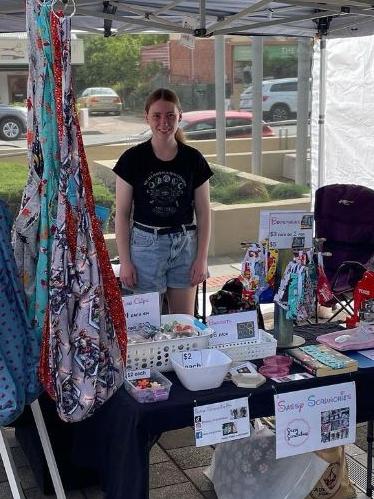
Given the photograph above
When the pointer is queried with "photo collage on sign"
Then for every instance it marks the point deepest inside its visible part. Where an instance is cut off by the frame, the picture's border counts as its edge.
(334, 424)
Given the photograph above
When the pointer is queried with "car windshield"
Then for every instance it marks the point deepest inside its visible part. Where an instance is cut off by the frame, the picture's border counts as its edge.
(103, 91)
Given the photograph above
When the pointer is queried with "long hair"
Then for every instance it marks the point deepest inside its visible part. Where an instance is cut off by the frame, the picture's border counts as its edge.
(169, 96)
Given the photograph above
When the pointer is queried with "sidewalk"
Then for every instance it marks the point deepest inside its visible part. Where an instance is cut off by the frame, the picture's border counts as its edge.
(176, 465)
(176, 470)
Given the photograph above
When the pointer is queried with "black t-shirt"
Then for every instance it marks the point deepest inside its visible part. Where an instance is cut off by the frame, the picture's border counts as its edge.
(163, 191)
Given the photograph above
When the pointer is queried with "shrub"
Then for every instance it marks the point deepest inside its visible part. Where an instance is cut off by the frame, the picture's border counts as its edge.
(227, 188)
(13, 178)
(288, 191)
(253, 192)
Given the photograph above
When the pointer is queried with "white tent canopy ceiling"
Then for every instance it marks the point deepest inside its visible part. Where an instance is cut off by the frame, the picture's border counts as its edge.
(300, 18)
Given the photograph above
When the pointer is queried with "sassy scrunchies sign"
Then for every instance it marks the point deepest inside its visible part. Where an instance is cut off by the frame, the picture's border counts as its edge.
(73, 300)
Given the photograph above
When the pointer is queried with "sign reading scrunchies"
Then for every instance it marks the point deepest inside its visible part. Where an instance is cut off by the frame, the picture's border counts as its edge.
(314, 419)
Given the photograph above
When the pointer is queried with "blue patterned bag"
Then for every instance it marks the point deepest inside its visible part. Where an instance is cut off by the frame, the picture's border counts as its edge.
(19, 351)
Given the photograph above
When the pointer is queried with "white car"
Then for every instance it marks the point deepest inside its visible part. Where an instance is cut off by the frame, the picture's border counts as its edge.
(279, 99)
(100, 100)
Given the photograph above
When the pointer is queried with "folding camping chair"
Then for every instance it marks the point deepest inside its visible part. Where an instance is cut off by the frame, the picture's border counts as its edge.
(343, 215)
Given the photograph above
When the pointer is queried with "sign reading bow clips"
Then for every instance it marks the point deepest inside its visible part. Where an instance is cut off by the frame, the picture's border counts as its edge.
(318, 418)
(142, 311)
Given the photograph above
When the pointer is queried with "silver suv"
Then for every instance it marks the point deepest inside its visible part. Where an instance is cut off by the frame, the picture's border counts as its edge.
(13, 122)
(279, 99)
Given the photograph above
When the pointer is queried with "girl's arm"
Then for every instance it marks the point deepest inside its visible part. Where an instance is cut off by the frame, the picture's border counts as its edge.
(124, 198)
(199, 269)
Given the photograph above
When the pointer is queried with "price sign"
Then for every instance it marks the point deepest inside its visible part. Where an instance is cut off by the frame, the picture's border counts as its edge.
(230, 328)
(138, 374)
(142, 311)
(289, 229)
(192, 359)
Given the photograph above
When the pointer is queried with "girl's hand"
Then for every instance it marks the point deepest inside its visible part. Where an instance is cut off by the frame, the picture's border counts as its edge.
(199, 271)
(127, 274)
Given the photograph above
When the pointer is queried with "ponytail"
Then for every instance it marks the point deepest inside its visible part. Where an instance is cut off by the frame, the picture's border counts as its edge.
(179, 136)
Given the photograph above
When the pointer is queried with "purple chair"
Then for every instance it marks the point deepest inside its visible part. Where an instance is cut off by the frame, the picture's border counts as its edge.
(344, 217)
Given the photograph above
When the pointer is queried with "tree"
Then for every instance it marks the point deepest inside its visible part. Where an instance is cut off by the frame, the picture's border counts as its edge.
(280, 67)
(113, 62)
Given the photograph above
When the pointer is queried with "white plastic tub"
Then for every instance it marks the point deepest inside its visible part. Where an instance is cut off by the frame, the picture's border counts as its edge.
(215, 365)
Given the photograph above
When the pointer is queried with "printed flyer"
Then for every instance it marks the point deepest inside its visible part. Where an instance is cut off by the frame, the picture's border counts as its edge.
(318, 418)
(221, 422)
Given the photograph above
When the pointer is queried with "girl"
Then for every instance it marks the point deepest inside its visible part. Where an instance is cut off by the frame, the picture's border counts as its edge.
(166, 182)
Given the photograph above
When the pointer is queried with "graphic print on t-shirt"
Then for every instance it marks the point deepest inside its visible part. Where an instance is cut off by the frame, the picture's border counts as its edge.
(164, 189)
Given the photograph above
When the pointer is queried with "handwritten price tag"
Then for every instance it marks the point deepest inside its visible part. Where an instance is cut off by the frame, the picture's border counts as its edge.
(192, 359)
(138, 374)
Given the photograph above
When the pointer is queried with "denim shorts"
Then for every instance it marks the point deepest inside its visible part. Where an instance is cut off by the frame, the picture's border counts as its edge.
(162, 261)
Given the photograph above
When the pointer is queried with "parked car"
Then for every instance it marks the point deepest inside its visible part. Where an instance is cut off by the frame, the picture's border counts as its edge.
(100, 100)
(279, 99)
(201, 125)
(13, 122)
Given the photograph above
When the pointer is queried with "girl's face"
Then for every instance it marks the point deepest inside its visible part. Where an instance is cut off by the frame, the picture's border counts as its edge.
(163, 118)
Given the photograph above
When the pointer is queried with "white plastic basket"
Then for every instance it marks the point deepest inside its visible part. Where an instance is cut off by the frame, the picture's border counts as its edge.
(250, 349)
(156, 354)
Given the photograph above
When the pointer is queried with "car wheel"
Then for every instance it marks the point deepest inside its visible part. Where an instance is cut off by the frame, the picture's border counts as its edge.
(280, 112)
(10, 129)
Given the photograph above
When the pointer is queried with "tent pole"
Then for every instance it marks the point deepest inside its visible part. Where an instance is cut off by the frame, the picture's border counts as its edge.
(219, 71)
(257, 73)
(322, 110)
(47, 448)
(303, 89)
(10, 467)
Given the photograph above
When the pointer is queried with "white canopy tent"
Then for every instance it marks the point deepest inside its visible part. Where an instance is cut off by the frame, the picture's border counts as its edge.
(332, 19)
(336, 18)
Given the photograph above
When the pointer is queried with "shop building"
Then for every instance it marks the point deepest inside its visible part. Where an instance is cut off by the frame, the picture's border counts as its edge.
(14, 64)
(196, 66)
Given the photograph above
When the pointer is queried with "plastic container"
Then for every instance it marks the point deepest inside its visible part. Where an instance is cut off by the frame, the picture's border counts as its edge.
(278, 361)
(215, 365)
(265, 346)
(156, 354)
(145, 395)
(274, 371)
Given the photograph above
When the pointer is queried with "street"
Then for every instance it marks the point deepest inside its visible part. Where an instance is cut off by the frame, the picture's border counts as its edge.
(106, 129)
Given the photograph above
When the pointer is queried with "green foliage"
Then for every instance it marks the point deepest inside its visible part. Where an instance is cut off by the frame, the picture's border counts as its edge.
(282, 67)
(288, 191)
(227, 188)
(113, 62)
(222, 178)
(13, 178)
(253, 191)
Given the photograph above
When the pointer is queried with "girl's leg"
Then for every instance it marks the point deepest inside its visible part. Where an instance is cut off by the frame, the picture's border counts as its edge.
(181, 300)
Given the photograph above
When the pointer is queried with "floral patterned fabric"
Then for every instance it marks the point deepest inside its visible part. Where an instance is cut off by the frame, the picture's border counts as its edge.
(73, 298)
(19, 351)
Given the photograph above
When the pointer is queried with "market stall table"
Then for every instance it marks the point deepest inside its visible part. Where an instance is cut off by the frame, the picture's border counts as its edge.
(116, 441)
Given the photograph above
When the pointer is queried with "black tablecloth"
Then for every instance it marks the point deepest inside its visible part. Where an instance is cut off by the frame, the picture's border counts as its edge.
(115, 442)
